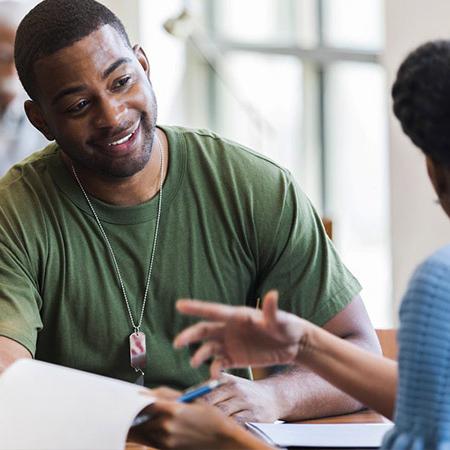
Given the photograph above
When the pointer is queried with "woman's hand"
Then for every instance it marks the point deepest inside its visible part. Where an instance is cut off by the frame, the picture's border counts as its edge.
(183, 426)
(195, 426)
(241, 336)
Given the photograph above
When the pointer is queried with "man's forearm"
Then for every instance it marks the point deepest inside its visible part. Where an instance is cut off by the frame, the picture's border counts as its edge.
(305, 391)
(302, 394)
(366, 376)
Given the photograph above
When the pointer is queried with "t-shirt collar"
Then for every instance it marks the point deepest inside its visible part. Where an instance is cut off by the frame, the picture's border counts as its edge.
(126, 214)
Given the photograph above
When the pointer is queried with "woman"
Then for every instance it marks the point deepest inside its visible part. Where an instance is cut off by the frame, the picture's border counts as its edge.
(238, 337)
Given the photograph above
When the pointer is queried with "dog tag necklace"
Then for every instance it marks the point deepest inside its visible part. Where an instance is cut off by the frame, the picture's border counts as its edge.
(138, 354)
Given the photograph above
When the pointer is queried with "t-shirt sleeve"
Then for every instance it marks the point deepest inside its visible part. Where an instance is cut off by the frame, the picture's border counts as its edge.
(19, 296)
(300, 261)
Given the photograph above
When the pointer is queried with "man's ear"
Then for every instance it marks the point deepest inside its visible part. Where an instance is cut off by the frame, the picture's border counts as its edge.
(142, 58)
(35, 116)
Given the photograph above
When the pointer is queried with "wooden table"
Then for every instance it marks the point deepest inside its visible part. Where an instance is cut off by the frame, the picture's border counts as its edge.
(366, 416)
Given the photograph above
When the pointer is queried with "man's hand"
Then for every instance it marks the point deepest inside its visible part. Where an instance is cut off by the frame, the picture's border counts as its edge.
(245, 400)
(240, 336)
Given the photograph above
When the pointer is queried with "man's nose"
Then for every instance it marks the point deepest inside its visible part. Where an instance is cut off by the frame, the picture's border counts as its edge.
(110, 113)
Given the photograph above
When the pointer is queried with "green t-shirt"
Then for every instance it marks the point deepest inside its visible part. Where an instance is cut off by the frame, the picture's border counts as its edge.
(233, 225)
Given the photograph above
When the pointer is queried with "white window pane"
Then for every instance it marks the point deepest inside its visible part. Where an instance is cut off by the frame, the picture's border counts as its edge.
(353, 23)
(274, 21)
(260, 106)
(357, 178)
(305, 25)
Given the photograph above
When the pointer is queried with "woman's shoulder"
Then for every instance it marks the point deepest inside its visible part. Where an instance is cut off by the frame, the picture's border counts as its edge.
(441, 256)
(434, 270)
(428, 292)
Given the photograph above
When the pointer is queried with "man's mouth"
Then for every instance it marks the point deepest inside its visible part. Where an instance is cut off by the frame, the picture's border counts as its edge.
(126, 138)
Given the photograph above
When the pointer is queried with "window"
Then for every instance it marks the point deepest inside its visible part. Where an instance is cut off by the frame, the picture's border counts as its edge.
(300, 81)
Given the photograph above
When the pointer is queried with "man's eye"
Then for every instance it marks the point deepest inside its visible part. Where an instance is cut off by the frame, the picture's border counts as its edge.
(78, 106)
(122, 82)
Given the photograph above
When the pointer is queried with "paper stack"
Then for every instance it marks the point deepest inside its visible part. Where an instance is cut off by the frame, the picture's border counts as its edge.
(49, 407)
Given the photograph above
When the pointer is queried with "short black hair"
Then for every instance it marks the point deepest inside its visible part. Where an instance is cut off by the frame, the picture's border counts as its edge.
(421, 96)
(56, 24)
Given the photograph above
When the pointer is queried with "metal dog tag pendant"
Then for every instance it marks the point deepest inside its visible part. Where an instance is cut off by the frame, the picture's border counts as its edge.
(138, 355)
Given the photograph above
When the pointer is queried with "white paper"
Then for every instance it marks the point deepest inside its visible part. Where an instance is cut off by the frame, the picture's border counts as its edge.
(322, 435)
(44, 406)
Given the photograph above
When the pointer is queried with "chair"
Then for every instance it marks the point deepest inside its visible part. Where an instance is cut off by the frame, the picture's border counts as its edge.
(328, 225)
(388, 342)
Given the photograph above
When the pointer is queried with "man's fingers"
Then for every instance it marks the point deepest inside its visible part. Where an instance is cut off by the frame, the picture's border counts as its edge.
(208, 350)
(206, 310)
(198, 332)
(230, 407)
(221, 394)
(270, 306)
(218, 365)
(243, 416)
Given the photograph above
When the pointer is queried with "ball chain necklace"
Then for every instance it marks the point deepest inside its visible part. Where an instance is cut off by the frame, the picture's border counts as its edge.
(138, 353)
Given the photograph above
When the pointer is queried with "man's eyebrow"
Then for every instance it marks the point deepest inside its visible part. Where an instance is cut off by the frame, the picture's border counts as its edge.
(105, 74)
(114, 66)
(67, 91)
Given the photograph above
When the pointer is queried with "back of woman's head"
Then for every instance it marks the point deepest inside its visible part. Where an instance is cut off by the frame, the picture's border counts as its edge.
(421, 96)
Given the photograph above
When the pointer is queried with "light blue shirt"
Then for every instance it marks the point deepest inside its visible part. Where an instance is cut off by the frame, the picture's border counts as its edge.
(422, 416)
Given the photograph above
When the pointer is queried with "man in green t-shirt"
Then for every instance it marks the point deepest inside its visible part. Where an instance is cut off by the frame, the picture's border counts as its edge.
(101, 232)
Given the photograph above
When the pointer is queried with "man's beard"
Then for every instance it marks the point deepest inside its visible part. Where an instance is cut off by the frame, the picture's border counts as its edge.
(133, 165)
(127, 166)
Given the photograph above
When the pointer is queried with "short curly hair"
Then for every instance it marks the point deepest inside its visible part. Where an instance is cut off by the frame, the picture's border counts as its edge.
(421, 99)
(56, 24)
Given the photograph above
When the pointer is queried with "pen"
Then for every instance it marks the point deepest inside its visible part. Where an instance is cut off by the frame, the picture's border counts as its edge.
(187, 397)
(192, 394)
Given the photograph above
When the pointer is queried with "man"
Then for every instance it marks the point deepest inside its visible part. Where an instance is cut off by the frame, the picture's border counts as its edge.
(102, 232)
(17, 137)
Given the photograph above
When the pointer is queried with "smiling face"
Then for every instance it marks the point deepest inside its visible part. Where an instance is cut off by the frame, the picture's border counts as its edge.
(95, 99)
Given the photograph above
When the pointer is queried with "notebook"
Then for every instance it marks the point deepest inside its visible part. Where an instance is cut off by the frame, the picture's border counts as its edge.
(354, 435)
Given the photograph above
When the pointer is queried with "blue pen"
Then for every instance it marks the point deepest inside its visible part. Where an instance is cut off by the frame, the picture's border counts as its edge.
(187, 397)
(192, 394)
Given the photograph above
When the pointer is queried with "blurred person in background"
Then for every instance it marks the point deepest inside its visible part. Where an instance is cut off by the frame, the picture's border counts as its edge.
(18, 138)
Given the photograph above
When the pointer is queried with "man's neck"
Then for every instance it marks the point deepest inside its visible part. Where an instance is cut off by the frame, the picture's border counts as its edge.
(139, 188)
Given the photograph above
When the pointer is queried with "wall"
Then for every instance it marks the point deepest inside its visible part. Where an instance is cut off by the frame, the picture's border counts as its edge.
(418, 225)
(128, 12)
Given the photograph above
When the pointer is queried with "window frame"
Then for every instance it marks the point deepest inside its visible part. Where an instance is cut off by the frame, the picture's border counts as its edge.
(315, 62)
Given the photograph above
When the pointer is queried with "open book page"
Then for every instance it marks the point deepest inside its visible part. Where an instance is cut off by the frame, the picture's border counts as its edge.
(44, 406)
(357, 435)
